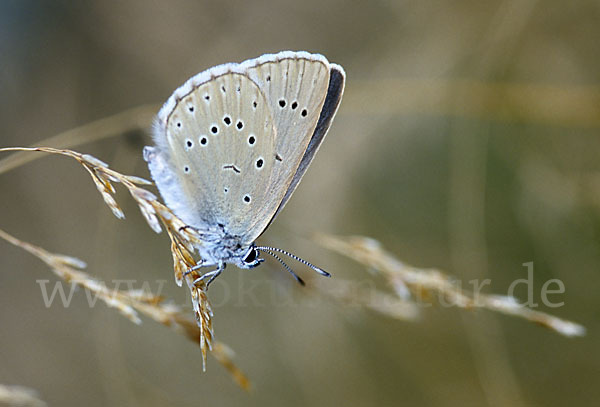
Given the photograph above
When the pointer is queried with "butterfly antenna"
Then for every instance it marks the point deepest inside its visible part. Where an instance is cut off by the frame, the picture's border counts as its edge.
(288, 268)
(298, 259)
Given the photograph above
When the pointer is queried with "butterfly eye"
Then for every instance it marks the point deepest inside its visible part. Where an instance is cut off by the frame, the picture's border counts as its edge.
(251, 256)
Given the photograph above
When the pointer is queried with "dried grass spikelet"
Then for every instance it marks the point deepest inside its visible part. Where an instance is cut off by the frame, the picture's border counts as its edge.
(183, 261)
(419, 284)
(352, 293)
(131, 303)
(155, 213)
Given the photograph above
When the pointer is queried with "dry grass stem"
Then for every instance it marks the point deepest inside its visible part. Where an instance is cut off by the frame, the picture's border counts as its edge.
(155, 213)
(129, 121)
(419, 284)
(130, 302)
(354, 294)
(19, 396)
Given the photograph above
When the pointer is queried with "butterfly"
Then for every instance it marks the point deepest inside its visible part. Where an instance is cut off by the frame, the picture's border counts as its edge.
(232, 144)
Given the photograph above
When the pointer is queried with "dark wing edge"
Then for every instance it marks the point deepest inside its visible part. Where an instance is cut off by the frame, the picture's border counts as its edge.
(337, 80)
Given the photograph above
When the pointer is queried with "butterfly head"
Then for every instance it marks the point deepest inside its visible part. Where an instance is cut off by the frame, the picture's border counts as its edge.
(221, 247)
(250, 258)
(228, 249)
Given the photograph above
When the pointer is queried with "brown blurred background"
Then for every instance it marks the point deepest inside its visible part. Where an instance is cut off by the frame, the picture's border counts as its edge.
(467, 140)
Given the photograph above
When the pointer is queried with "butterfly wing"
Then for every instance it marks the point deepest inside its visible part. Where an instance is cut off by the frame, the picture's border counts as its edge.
(304, 91)
(285, 103)
(214, 158)
(332, 101)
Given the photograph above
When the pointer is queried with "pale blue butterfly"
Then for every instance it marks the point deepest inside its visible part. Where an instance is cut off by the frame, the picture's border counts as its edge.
(233, 143)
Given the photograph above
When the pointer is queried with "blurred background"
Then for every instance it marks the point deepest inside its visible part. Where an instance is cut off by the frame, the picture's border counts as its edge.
(467, 140)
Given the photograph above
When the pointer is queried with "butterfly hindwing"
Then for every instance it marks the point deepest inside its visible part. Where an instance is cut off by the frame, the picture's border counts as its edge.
(219, 143)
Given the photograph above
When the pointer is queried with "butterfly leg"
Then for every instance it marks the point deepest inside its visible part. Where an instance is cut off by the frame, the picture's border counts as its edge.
(192, 269)
(211, 275)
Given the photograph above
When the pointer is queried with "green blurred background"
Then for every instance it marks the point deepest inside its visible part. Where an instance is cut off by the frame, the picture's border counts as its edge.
(467, 140)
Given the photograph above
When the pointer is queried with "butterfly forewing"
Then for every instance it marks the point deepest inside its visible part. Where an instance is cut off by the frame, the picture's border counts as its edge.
(220, 139)
(335, 91)
(295, 87)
